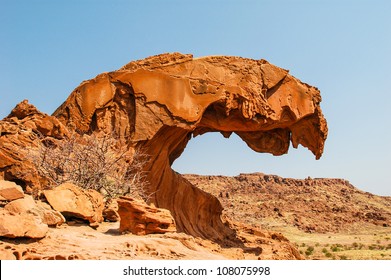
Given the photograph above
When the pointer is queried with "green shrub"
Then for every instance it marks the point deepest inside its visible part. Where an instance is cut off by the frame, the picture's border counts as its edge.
(310, 250)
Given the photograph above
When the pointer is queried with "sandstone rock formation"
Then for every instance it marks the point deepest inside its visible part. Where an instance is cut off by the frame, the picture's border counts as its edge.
(25, 217)
(29, 205)
(139, 218)
(110, 212)
(19, 132)
(21, 225)
(10, 191)
(158, 104)
(73, 201)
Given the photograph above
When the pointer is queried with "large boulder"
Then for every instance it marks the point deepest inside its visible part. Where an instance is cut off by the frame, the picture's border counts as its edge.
(72, 201)
(139, 218)
(21, 225)
(43, 210)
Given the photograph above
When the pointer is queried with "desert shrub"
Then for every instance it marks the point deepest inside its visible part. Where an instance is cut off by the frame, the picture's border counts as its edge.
(329, 255)
(372, 247)
(343, 257)
(336, 247)
(92, 162)
(310, 250)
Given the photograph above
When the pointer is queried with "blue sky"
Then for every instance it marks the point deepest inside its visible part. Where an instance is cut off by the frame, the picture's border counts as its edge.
(47, 48)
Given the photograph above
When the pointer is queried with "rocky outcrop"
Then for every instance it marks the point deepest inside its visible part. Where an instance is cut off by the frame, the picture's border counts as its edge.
(21, 131)
(25, 217)
(158, 104)
(73, 201)
(316, 205)
(139, 218)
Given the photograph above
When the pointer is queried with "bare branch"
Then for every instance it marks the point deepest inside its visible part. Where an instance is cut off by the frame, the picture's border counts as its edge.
(92, 162)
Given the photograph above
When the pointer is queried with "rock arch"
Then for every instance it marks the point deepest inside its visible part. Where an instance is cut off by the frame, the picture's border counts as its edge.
(160, 102)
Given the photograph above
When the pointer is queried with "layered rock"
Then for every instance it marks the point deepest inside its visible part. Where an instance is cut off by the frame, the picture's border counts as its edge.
(158, 104)
(23, 216)
(139, 218)
(21, 131)
(73, 201)
(10, 191)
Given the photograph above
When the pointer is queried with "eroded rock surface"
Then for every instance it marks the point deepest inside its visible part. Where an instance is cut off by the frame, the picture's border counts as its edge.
(21, 131)
(21, 225)
(139, 218)
(10, 191)
(158, 104)
(22, 216)
(73, 201)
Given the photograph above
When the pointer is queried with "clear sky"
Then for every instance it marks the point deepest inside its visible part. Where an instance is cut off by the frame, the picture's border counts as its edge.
(47, 48)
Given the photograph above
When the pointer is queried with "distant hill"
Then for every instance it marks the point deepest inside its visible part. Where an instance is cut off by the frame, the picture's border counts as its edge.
(311, 205)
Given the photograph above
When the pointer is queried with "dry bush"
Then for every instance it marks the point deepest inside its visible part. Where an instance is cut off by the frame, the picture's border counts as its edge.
(92, 162)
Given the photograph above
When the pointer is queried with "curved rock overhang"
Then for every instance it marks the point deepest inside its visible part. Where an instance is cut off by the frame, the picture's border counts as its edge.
(159, 103)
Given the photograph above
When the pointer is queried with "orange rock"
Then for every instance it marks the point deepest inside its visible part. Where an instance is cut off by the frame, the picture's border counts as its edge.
(6, 255)
(73, 201)
(110, 213)
(10, 191)
(158, 104)
(139, 218)
(19, 133)
(48, 215)
(44, 211)
(161, 102)
(21, 225)
(21, 205)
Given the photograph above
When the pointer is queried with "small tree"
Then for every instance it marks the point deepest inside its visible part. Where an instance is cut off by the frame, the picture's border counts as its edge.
(92, 162)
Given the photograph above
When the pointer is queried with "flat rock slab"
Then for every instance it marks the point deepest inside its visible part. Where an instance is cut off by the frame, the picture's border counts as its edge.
(10, 191)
